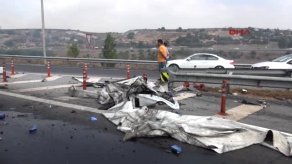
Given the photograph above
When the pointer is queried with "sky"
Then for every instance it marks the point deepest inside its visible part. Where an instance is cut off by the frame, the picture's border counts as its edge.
(124, 15)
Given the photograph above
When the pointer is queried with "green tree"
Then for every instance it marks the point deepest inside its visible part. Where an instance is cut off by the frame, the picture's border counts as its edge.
(141, 54)
(73, 50)
(179, 29)
(109, 51)
(131, 35)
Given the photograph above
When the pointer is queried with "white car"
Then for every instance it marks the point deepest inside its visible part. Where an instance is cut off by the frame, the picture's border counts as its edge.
(200, 60)
(283, 62)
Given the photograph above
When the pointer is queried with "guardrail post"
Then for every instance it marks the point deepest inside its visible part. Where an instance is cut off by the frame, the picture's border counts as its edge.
(223, 98)
(128, 72)
(4, 73)
(12, 67)
(85, 69)
(199, 87)
(186, 85)
(145, 77)
(49, 68)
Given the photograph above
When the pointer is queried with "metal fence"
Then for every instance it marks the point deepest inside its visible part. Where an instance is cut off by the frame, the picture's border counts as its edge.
(241, 80)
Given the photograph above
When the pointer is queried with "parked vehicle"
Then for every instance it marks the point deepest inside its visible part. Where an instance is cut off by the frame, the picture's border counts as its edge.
(200, 60)
(283, 62)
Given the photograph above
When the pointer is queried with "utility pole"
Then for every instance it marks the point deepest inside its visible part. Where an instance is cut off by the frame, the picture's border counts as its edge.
(43, 31)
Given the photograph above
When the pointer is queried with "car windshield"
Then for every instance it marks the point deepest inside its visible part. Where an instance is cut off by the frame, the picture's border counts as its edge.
(283, 58)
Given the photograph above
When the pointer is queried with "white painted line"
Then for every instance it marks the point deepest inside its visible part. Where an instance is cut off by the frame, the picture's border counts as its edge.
(184, 95)
(32, 81)
(45, 88)
(18, 76)
(53, 102)
(21, 82)
(242, 111)
(53, 78)
(66, 98)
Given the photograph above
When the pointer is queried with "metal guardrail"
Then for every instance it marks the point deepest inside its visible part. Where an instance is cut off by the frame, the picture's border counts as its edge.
(97, 60)
(242, 80)
(87, 60)
(243, 71)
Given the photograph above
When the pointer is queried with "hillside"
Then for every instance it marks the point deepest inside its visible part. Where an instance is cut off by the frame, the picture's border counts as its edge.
(139, 44)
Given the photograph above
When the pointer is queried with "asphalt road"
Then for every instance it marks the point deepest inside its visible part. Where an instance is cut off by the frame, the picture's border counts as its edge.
(69, 136)
(78, 71)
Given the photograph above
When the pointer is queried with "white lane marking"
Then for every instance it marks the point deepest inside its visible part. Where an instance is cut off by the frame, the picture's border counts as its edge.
(32, 81)
(53, 102)
(46, 88)
(53, 78)
(184, 95)
(18, 76)
(66, 98)
(21, 82)
(242, 111)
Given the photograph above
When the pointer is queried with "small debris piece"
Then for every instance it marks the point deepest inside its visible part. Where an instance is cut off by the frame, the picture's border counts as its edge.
(21, 115)
(176, 149)
(92, 118)
(199, 94)
(235, 94)
(33, 129)
(73, 111)
(2, 116)
(243, 91)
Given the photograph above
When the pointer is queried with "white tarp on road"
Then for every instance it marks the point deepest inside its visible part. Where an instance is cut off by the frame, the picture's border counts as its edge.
(220, 135)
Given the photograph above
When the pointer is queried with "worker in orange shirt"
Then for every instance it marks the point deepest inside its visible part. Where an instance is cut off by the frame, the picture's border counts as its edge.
(161, 54)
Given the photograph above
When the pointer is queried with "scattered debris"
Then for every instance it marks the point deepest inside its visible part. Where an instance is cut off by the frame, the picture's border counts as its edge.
(72, 91)
(73, 111)
(44, 80)
(210, 132)
(176, 149)
(199, 94)
(93, 118)
(2, 116)
(254, 102)
(0, 138)
(21, 115)
(33, 129)
(135, 90)
(235, 94)
(244, 91)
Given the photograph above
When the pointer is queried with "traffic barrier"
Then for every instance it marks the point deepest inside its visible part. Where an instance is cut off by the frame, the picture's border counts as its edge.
(128, 72)
(4, 73)
(12, 67)
(199, 87)
(145, 77)
(85, 69)
(223, 98)
(240, 80)
(49, 68)
(186, 85)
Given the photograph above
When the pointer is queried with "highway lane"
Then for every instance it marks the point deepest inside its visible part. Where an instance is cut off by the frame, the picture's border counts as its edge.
(64, 136)
(70, 70)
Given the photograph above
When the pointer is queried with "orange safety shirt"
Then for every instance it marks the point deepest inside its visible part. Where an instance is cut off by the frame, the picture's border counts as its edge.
(162, 54)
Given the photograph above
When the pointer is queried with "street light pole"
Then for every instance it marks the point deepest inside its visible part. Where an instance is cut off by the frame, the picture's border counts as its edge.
(43, 30)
